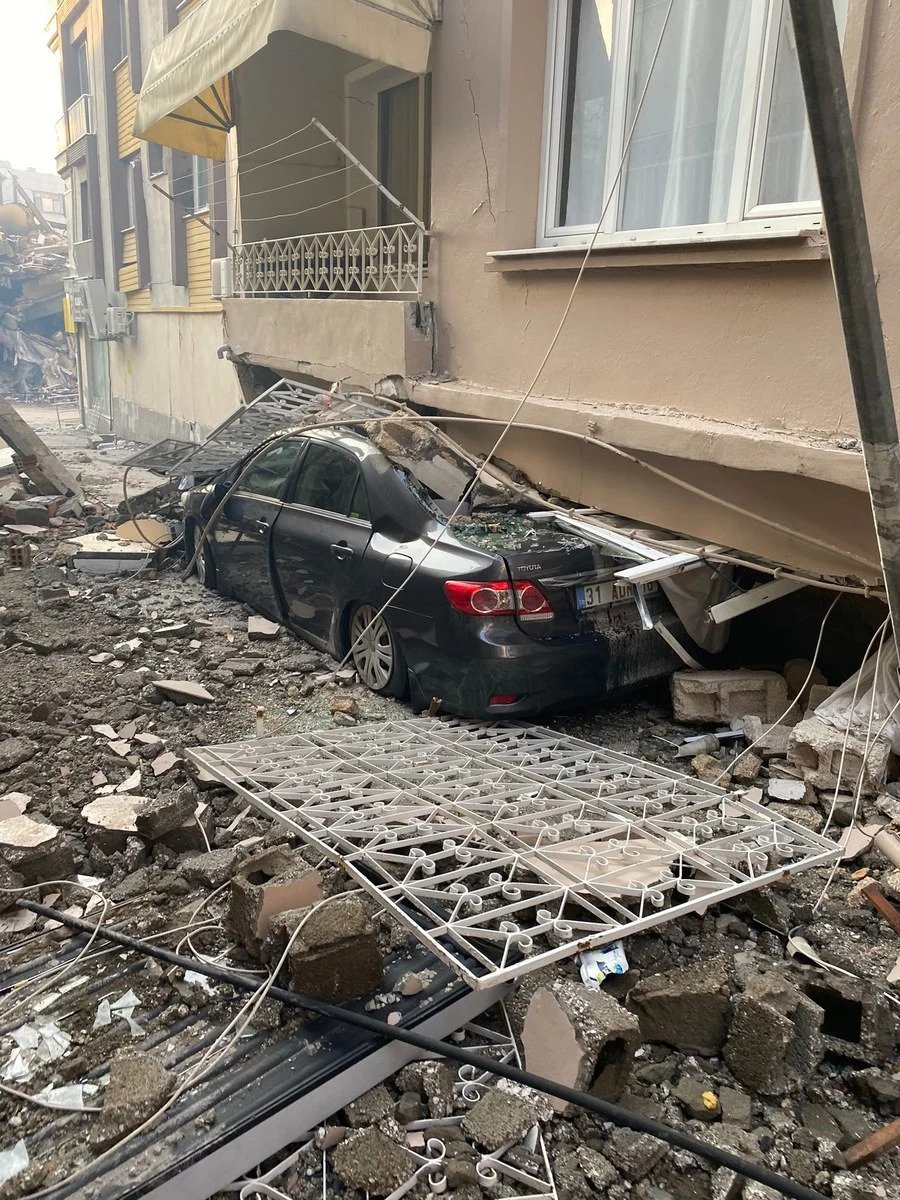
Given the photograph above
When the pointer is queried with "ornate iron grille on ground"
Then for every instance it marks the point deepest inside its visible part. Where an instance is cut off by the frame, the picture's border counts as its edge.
(512, 845)
(385, 261)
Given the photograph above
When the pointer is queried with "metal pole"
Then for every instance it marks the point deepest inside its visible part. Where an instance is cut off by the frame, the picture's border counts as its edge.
(822, 73)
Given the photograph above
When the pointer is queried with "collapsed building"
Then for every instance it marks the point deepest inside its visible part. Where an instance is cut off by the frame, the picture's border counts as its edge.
(35, 354)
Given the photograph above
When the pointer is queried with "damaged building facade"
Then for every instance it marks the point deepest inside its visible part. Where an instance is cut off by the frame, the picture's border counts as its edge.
(705, 338)
(146, 323)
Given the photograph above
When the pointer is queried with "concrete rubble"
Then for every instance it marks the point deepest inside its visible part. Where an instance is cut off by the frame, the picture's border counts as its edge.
(718, 1027)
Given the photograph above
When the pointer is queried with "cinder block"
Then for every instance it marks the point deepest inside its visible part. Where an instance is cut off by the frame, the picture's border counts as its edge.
(580, 1038)
(272, 882)
(335, 957)
(686, 1008)
(816, 748)
(858, 1022)
(775, 1041)
(713, 697)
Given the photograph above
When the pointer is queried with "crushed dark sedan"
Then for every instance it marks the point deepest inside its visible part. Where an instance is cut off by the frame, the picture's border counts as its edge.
(506, 616)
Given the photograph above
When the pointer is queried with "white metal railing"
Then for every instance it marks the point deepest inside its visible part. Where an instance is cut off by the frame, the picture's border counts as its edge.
(77, 122)
(387, 260)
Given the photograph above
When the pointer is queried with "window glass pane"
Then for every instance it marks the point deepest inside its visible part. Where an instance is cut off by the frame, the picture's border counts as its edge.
(682, 158)
(201, 183)
(789, 168)
(327, 480)
(586, 114)
(398, 139)
(269, 476)
(359, 506)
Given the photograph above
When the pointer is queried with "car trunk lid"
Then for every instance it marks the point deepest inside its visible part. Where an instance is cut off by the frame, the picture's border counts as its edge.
(576, 576)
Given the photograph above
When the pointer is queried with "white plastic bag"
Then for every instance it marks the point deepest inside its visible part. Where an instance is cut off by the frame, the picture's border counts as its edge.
(840, 711)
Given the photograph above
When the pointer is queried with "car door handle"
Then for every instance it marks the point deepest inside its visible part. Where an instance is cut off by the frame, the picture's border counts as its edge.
(341, 551)
(262, 526)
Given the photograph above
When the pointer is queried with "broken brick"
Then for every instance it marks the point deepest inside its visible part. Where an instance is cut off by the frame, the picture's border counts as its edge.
(34, 849)
(163, 814)
(498, 1119)
(858, 1022)
(336, 957)
(580, 1038)
(817, 750)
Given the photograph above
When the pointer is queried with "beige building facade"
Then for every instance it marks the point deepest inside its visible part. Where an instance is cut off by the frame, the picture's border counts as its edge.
(146, 323)
(700, 380)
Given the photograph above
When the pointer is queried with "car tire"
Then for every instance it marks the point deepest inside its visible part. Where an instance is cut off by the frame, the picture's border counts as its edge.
(205, 566)
(375, 652)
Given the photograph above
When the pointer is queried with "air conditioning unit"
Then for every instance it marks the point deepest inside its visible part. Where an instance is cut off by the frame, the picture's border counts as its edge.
(88, 301)
(222, 278)
(120, 323)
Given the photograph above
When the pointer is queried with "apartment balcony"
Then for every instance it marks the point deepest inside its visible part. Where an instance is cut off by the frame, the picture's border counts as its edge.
(76, 123)
(385, 261)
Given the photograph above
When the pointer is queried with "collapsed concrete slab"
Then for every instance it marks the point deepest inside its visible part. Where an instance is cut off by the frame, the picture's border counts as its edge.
(580, 1038)
(817, 748)
(775, 1040)
(686, 1008)
(712, 697)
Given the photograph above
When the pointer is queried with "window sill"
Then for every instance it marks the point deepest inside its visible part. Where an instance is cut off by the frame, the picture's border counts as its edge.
(196, 212)
(794, 247)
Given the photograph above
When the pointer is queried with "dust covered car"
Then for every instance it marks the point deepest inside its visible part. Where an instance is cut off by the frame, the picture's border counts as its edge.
(496, 613)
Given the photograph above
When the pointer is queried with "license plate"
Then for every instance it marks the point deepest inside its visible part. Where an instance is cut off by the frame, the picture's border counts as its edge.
(594, 595)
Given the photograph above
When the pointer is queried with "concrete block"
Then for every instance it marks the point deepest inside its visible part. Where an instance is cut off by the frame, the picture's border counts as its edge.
(858, 1022)
(498, 1119)
(818, 694)
(771, 740)
(370, 1162)
(747, 767)
(194, 836)
(580, 1038)
(434, 1082)
(634, 1154)
(815, 748)
(336, 957)
(34, 850)
(686, 1008)
(160, 815)
(714, 697)
(211, 869)
(271, 882)
(26, 512)
(138, 1087)
(775, 1041)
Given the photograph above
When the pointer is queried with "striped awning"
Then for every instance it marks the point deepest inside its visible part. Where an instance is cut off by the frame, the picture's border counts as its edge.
(185, 101)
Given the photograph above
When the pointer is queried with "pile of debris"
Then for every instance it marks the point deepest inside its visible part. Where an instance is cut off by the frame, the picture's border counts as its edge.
(34, 351)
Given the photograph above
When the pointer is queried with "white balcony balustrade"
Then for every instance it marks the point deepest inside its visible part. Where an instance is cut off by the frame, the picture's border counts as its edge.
(381, 261)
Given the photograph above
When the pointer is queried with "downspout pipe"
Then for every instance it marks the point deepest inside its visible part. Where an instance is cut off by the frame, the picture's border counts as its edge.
(828, 109)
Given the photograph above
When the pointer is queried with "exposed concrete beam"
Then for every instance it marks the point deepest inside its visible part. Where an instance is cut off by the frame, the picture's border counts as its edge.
(38, 462)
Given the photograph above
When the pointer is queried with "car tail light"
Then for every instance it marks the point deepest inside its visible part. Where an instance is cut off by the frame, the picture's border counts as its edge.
(498, 599)
(501, 700)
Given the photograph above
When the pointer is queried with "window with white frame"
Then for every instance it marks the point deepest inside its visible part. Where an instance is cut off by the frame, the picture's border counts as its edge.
(200, 173)
(720, 145)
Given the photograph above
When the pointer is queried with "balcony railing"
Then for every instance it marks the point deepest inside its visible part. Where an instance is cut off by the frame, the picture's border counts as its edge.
(76, 123)
(382, 261)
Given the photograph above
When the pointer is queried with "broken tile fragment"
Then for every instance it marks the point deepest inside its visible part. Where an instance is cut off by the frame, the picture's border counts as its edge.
(259, 629)
(164, 762)
(183, 691)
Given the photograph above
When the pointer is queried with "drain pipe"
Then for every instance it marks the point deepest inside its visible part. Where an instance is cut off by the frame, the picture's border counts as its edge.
(828, 109)
(600, 1108)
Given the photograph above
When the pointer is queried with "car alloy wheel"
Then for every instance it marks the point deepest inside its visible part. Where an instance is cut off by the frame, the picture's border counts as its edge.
(201, 568)
(372, 647)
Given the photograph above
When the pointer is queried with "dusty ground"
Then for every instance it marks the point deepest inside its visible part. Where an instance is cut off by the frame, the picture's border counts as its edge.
(53, 622)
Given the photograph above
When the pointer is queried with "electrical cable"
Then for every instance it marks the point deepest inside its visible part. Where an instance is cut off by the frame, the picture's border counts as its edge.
(40, 1102)
(200, 1070)
(6, 1011)
(432, 1046)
